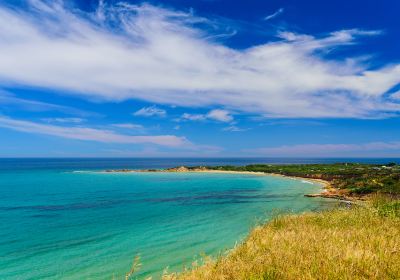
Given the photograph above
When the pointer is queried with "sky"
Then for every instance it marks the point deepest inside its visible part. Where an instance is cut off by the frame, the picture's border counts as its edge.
(204, 78)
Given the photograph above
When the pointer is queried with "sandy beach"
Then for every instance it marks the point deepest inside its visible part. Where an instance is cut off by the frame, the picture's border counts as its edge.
(327, 190)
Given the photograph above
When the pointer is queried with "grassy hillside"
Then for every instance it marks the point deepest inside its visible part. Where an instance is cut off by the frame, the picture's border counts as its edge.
(358, 243)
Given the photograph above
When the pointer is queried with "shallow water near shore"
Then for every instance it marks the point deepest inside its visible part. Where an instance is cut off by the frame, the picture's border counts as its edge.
(59, 224)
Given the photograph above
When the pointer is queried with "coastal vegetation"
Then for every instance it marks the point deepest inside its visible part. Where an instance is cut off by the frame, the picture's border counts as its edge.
(351, 181)
(359, 241)
(347, 180)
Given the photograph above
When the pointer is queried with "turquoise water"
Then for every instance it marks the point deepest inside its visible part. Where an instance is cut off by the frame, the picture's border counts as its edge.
(59, 224)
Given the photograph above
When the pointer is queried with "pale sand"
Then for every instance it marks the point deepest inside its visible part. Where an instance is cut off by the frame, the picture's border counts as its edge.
(326, 185)
(325, 190)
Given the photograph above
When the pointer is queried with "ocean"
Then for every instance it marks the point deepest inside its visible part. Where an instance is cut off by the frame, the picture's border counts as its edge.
(63, 219)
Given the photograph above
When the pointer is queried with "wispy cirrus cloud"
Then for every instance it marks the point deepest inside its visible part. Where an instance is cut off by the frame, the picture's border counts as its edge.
(288, 122)
(150, 112)
(64, 120)
(234, 128)
(129, 126)
(216, 115)
(396, 95)
(9, 100)
(164, 56)
(274, 15)
(93, 134)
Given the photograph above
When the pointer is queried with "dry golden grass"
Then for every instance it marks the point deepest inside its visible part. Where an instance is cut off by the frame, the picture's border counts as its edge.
(359, 243)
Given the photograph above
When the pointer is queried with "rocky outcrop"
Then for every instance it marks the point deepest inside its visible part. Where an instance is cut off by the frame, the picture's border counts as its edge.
(178, 169)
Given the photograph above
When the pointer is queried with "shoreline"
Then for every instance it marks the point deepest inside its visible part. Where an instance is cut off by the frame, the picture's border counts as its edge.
(327, 190)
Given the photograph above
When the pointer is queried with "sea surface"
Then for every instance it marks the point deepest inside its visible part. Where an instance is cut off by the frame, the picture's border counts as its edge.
(64, 219)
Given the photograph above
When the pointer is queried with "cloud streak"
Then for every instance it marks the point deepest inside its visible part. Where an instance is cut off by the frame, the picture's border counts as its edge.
(64, 120)
(274, 15)
(92, 134)
(234, 128)
(8, 100)
(150, 112)
(219, 115)
(167, 57)
(129, 126)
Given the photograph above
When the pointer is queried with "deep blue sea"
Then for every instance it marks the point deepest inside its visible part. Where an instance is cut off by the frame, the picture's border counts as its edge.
(64, 219)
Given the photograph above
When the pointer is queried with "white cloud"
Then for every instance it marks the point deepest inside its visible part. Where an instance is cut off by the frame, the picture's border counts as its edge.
(158, 55)
(150, 111)
(395, 95)
(274, 15)
(91, 134)
(334, 150)
(193, 117)
(129, 126)
(10, 100)
(234, 128)
(64, 120)
(220, 115)
(288, 122)
(216, 115)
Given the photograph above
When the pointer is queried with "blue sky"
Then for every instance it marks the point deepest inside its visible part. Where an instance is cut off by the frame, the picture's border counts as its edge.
(199, 78)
